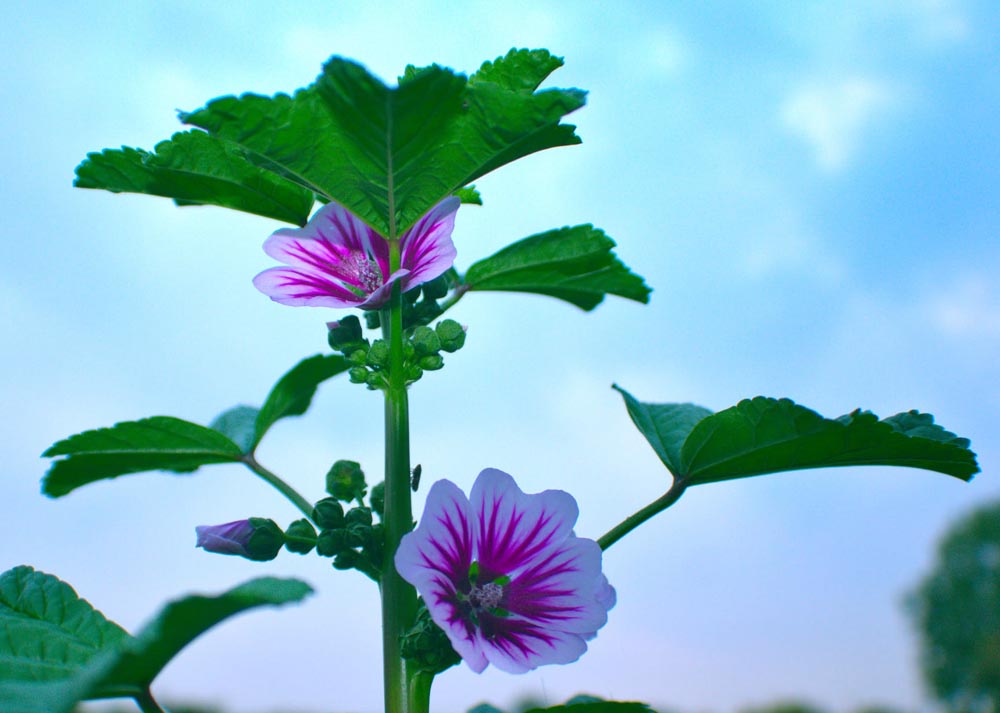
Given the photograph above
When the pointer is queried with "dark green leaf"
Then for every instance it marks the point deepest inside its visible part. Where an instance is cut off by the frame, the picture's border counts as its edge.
(57, 650)
(764, 435)
(352, 139)
(158, 443)
(469, 195)
(597, 707)
(194, 168)
(665, 426)
(239, 424)
(182, 621)
(573, 264)
(294, 391)
(519, 70)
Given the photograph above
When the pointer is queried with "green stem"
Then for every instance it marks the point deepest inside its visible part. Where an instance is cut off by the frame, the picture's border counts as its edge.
(399, 599)
(147, 704)
(281, 486)
(633, 521)
(420, 691)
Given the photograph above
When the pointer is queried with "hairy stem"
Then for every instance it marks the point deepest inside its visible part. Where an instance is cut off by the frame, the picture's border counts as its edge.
(399, 599)
(281, 486)
(633, 521)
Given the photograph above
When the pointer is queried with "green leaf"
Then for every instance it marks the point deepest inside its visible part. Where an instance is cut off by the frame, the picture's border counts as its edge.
(469, 195)
(597, 707)
(389, 154)
(572, 264)
(239, 424)
(765, 435)
(157, 443)
(293, 393)
(194, 168)
(665, 426)
(57, 650)
(49, 632)
(183, 620)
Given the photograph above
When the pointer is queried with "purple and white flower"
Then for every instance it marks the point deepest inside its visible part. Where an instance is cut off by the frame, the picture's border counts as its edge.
(503, 575)
(336, 260)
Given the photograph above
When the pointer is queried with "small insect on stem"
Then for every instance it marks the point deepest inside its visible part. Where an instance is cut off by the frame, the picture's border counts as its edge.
(415, 478)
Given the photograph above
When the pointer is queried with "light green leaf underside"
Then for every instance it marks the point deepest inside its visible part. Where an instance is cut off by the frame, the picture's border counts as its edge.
(575, 264)
(765, 435)
(389, 154)
(194, 168)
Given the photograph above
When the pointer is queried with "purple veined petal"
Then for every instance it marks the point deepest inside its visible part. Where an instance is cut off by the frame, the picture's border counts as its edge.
(427, 250)
(515, 529)
(518, 646)
(563, 592)
(289, 286)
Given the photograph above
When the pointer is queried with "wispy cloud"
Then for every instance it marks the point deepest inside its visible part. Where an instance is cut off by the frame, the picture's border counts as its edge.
(833, 117)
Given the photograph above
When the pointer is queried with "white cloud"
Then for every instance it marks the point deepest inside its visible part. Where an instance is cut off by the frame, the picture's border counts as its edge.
(832, 117)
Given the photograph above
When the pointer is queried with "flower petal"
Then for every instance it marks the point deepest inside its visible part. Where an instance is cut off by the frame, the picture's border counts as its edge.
(289, 286)
(518, 646)
(515, 530)
(427, 250)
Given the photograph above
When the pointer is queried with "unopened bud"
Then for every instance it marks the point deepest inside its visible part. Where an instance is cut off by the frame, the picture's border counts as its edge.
(328, 514)
(300, 537)
(431, 362)
(377, 498)
(255, 538)
(345, 335)
(357, 374)
(425, 341)
(358, 516)
(330, 543)
(451, 333)
(347, 559)
(378, 355)
(346, 481)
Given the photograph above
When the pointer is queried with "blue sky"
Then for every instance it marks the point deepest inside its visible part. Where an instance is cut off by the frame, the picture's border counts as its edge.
(810, 189)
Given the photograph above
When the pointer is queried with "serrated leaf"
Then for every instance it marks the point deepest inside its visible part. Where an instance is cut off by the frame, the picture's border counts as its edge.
(520, 70)
(294, 392)
(194, 168)
(764, 435)
(574, 264)
(665, 426)
(48, 631)
(56, 650)
(390, 154)
(157, 443)
(138, 662)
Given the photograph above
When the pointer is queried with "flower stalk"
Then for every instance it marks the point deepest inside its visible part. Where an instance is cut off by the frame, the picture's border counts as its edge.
(399, 599)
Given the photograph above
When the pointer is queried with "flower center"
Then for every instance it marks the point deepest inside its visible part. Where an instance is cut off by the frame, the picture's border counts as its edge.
(485, 597)
(367, 271)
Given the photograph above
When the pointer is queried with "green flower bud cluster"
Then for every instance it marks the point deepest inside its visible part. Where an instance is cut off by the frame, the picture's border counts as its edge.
(423, 346)
(352, 539)
(427, 646)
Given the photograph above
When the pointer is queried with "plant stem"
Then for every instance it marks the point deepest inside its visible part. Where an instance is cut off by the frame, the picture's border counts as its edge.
(281, 486)
(399, 599)
(420, 692)
(633, 521)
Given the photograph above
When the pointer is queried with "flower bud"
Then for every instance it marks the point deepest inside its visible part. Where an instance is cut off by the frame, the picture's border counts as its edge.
(359, 357)
(413, 373)
(347, 559)
(425, 341)
(451, 333)
(437, 288)
(329, 514)
(346, 481)
(256, 538)
(357, 374)
(431, 362)
(332, 542)
(345, 335)
(372, 320)
(358, 516)
(427, 646)
(300, 537)
(378, 355)
(377, 498)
